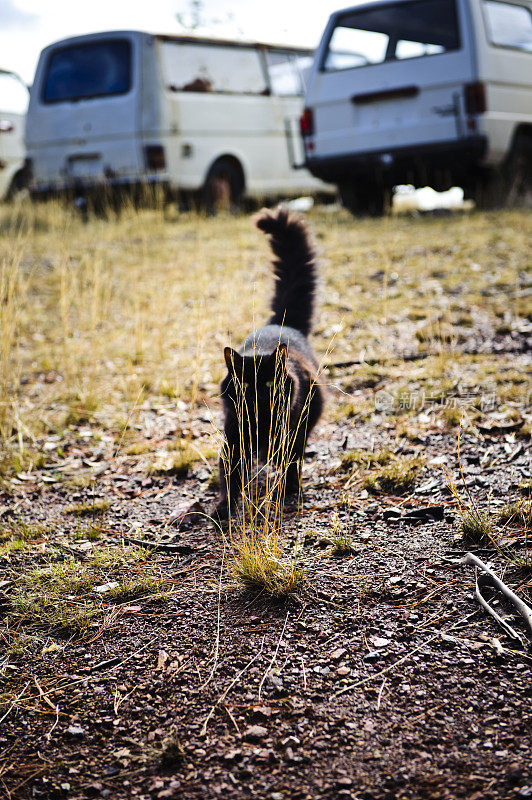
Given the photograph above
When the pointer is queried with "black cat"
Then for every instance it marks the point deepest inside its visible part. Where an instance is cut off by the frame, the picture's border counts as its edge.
(270, 394)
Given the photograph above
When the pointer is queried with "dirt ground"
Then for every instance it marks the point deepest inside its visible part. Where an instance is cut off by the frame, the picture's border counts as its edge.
(133, 671)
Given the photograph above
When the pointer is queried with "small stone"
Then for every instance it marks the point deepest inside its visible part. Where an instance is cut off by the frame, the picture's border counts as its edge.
(75, 730)
(106, 587)
(337, 654)
(343, 671)
(379, 641)
(344, 782)
(255, 732)
(373, 655)
(232, 755)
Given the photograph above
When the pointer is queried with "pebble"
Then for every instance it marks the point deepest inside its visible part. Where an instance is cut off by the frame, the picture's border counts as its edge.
(75, 730)
(255, 732)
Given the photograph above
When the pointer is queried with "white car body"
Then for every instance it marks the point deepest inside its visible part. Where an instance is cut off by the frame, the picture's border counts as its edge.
(13, 105)
(420, 92)
(132, 108)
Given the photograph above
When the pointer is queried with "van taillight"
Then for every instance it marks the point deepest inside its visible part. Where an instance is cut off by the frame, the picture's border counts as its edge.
(306, 122)
(475, 98)
(154, 157)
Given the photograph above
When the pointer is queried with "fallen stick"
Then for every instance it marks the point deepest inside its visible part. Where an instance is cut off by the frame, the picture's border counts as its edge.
(165, 547)
(524, 610)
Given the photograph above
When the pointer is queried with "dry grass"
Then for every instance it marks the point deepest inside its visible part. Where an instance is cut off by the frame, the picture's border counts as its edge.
(96, 316)
(397, 477)
(476, 527)
(105, 322)
(259, 565)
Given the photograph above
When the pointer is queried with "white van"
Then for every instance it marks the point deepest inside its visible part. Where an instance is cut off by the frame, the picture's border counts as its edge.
(435, 92)
(191, 114)
(13, 106)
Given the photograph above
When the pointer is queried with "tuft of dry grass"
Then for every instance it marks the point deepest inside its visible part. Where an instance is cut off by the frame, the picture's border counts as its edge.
(516, 514)
(91, 508)
(397, 477)
(258, 564)
(476, 527)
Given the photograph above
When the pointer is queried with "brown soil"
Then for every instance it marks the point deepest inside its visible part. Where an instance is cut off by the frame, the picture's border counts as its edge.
(382, 679)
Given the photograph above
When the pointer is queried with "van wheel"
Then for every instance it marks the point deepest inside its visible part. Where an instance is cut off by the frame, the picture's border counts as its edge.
(518, 174)
(18, 186)
(510, 186)
(372, 201)
(224, 188)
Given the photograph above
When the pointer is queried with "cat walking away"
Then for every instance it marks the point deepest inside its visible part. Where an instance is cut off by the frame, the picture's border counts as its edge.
(271, 397)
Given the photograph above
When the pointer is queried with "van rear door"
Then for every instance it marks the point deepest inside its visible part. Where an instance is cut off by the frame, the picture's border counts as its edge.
(391, 75)
(82, 122)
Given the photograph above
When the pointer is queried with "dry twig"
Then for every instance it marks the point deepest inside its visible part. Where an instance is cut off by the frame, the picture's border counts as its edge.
(488, 577)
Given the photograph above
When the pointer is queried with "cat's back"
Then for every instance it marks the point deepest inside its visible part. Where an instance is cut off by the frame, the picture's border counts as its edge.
(264, 341)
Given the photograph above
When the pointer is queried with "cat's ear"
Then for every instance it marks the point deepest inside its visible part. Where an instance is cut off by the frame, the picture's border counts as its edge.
(281, 354)
(232, 358)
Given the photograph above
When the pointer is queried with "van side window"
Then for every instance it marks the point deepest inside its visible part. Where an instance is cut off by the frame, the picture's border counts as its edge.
(88, 70)
(288, 72)
(508, 25)
(211, 68)
(390, 32)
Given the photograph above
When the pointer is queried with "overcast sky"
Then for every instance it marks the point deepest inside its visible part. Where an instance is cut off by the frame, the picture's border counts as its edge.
(26, 26)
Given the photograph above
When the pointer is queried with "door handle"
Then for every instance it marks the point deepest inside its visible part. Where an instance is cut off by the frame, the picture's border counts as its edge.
(402, 92)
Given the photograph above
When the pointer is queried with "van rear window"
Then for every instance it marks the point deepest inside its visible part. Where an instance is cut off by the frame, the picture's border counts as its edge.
(96, 69)
(391, 33)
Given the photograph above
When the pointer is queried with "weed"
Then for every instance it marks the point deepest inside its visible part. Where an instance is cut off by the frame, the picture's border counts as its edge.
(91, 508)
(258, 564)
(342, 544)
(21, 646)
(364, 458)
(93, 532)
(516, 514)
(81, 410)
(14, 536)
(175, 463)
(398, 477)
(133, 589)
(105, 557)
(138, 448)
(172, 752)
(476, 527)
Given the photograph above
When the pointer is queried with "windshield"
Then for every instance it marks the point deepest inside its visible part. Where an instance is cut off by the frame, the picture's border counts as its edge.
(89, 70)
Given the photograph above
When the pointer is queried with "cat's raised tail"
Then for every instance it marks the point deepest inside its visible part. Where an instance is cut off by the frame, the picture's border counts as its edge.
(294, 267)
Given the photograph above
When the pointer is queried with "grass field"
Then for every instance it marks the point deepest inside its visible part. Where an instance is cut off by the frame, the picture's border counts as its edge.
(111, 352)
(98, 319)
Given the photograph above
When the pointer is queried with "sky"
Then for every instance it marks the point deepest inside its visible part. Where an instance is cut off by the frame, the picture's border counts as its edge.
(26, 26)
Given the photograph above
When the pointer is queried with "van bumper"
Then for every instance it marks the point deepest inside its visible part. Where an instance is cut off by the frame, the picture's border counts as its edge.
(452, 160)
(86, 186)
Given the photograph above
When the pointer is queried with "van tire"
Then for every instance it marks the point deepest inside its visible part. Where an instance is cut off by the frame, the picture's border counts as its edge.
(372, 201)
(509, 186)
(224, 187)
(518, 174)
(17, 187)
